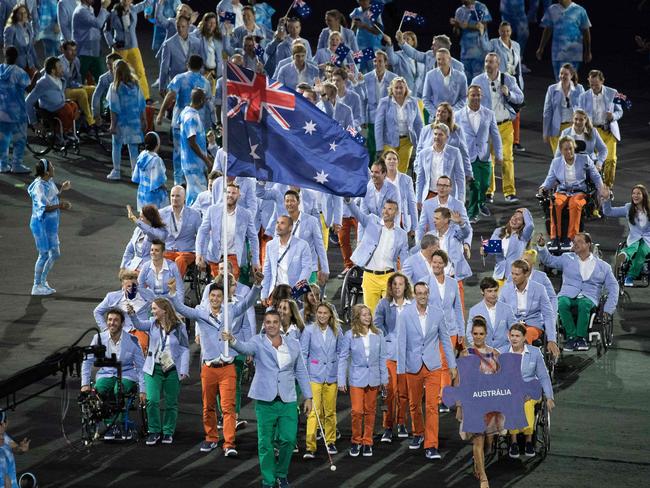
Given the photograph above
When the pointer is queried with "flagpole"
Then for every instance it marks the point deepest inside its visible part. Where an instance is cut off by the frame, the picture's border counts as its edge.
(288, 10)
(224, 217)
(400, 24)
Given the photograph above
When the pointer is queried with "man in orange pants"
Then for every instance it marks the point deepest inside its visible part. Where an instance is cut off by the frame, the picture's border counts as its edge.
(182, 226)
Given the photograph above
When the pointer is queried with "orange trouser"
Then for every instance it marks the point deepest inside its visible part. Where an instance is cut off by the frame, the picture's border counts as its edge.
(347, 225)
(264, 239)
(182, 259)
(225, 380)
(67, 115)
(430, 381)
(461, 291)
(364, 406)
(232, 259)
(397, 398)
(533, 333)
(143, 339)
(445, 375)
(516, 128)
(576, 202)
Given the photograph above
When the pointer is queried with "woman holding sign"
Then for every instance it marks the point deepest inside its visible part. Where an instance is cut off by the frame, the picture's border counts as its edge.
(493, 420)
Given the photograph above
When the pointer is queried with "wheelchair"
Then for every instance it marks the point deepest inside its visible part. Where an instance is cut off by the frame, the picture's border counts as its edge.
(351, 291)
(549, 360)
(195, 282)
(601, 329)
(643, 281)
(49, 136)
(541, 434)
(95, 408)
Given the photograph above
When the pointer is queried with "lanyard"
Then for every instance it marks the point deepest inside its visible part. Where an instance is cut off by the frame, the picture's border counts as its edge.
(284, 253)
(163, 339)
(174, 222)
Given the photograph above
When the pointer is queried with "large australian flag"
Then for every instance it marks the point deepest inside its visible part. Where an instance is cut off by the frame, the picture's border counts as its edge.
(275, 134)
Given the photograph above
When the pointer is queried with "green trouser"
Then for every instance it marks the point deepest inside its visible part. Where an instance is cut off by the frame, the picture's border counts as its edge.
(107, 387)
(94, 64)
(313, 278)
(482, 174)
(282, 419)
(371, 143)
(170, 386)
(239, 368)
(426, 116)
(636, 253)
(584, 311)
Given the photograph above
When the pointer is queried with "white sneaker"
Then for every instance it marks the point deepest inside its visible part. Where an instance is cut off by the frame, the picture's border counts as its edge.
(47, 285)
(113, 175)
(20, 169)
(40, 290)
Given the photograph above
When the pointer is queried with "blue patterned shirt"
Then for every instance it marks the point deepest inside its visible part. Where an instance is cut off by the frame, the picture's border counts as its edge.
(13, 81)
(191, 125)
(128, 104)
(567, 24)
(470, 43)
(182, 85)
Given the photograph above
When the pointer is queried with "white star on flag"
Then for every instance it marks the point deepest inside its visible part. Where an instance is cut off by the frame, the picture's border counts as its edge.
(309, 127)
(253, 154)
(321, 177)
(333, 146)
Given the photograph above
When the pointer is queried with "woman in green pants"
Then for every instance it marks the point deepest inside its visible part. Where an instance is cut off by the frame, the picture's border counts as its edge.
(166, 365)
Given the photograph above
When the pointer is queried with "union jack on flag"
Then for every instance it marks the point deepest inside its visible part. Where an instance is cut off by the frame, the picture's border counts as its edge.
(301, 8)
(356, 135)
(621, 99)
(413, 17)
(256, 94)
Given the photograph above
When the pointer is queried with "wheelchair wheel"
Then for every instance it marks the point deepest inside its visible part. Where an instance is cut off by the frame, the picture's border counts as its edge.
(143, 421)
(351, 291)
(607, 332)
(41, 141)
(543, 429)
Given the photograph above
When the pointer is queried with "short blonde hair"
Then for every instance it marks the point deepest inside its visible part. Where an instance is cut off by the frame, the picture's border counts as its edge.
(394, 82)
(564, 139)
(440, 126)
(298, 49)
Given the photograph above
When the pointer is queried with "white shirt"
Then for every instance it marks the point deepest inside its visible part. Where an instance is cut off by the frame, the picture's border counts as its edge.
(474, 117)
(158, 276)
(231, 226)
(436, 169)
(522, 300)
(492, 312)
(599, 110)
(402, 123)
(323, 332)
(281, 352)
(400, 308)
(382, 257)
(441, 289)
(566, 107)
(505, 244)
(239, 15)
(569, 173)
(642, 219)
(175, 223)
(283, 266)
(114, 347)
(587, 267)
(423, 321)
(296, 225)
(511, 62)
(185, 44)
(427, 263)
(366, 343)
(211, 56)
(498, 100)
(137, 303)
(302, 73)
(126, 20)
(443, 242)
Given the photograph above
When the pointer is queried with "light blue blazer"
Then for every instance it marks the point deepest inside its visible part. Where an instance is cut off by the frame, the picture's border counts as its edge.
(270, 381)
(429, 58)
(636, 232)
(137, 249)
(240, 32)
(497, 334)
(496, 46)
(131, 359)
(86, 30)
(584, 168)
(199, 45)
(299, 262)
(516, 95)
(247, 198)
(415, 268)
(208, 238)
(479, 143)
(191, 221)
(595, 148)
(48, 96)
(372, 98)
(362, 371)
(349, 38)
(451, 305)
(369, 203)
(407, 206)
(244, 326)
(553, 103)
(173, 60)
(14, 35)
(403, 65)
(71, 80)
(99, 95)
(114, 29)
(585, 102)
(414, 349)
(331, 207)
(452, 166)
(277, 51)
(288, 75)
(386, 320)
(147, 279)
(178, 344)
(113, 299)
(64, 11)
(516, 247)
(339, 112)
(538, 313)
(456, 139)
(540, 277)
(353, 100)
(324, 55)
(386, 125)
(372, 233)
(601, 280)
(425, 224)
(321, 355)
(436, 92)
(533, 367)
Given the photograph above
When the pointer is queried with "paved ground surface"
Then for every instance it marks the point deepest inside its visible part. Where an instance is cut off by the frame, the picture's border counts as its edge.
(599, 428)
